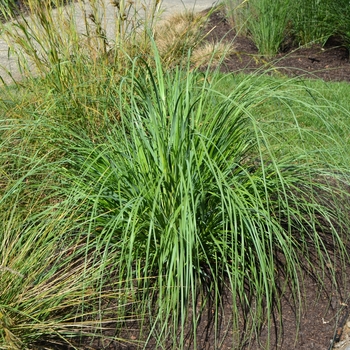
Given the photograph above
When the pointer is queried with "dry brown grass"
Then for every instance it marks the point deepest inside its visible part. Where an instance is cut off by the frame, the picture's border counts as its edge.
(177, 34)
(184, 32)
(211, 53)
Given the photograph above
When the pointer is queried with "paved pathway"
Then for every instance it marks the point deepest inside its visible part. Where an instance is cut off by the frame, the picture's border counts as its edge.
(169, 6)
(172, 6)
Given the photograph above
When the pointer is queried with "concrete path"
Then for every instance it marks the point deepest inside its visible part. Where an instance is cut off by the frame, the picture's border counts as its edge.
(173, 6)
(8, 64)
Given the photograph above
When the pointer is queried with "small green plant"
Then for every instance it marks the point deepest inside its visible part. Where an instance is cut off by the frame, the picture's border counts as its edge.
(267, 24)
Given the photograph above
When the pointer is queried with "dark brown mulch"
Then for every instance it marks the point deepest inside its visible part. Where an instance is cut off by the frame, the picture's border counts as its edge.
(330, 62)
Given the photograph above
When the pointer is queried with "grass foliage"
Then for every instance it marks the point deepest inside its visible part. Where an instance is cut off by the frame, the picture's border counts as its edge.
(145, 197)
(311, 23)
(267, 23)
(191, 196)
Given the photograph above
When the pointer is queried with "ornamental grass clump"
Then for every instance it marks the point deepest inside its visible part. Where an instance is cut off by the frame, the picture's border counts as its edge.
(131, 192)
(311, 22)
(177, 34)
(50, 287)
(317, 21)
(267, 24)
(191, 198)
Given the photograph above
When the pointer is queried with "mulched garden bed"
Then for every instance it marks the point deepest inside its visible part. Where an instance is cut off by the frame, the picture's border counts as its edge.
(330, 62)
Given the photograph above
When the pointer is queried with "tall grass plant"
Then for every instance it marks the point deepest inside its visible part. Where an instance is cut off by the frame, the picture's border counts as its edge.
(338, 20)
(190, 195)
(310, 21)
(267, 24)
(63, 41)
(150, 196)
(237, 14)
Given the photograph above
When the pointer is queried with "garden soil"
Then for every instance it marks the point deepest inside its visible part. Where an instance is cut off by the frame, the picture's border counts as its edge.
(329, 62)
